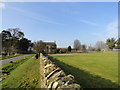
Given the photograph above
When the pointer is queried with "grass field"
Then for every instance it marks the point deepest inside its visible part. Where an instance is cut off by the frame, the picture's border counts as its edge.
(27, 75)
(91, 69)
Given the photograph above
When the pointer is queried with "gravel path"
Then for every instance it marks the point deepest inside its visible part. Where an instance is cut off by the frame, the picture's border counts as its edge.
(6, 61)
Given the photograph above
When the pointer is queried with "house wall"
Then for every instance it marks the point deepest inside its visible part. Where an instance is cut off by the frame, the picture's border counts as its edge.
(50, 48)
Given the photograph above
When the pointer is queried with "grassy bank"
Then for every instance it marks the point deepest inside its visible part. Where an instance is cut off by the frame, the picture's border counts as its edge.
(25, 76)
(11, 66)
(91, 69)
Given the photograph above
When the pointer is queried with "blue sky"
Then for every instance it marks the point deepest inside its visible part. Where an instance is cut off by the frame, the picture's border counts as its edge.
(63, 22)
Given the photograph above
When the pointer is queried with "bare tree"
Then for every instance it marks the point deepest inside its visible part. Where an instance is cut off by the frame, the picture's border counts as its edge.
(39, 46)
(100, 45)
(77, 45)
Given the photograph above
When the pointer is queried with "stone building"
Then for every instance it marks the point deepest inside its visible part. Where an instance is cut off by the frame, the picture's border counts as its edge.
(50, 47)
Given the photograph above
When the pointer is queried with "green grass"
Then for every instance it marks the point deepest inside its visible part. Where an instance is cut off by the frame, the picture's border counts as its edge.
(6, 57)
(11, 66)
(25, 76)
(91, 69)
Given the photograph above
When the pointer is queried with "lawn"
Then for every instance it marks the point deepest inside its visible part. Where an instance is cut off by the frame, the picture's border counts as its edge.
(27, 75)
(91, 70)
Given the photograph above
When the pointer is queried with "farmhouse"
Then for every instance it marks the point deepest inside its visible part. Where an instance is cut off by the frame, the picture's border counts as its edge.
(50, 47)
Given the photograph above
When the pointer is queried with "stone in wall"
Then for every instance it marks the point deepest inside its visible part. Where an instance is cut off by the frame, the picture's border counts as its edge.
(54, 78)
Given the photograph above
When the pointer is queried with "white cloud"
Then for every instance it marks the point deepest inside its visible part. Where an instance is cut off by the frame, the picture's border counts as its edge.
(112, 29)
(89, 22)
(2, 5)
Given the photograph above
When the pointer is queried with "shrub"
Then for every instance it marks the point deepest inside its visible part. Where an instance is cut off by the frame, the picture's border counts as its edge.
(55, 51)
(63, 50)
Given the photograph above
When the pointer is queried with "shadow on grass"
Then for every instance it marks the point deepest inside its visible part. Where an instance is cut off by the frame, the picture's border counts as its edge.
(84, 78)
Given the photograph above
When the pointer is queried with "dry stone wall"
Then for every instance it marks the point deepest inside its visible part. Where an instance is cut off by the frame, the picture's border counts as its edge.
(53, 78)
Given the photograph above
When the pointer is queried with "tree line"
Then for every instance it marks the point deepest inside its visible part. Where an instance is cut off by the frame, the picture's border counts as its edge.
(110, 44)
(13, 41)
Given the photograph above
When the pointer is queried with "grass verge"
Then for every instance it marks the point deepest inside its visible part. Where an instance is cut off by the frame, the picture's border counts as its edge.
(25, 76)
(6, 57)
(11, 66)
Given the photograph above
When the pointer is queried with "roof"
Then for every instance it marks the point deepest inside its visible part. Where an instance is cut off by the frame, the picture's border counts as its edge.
(50, 43)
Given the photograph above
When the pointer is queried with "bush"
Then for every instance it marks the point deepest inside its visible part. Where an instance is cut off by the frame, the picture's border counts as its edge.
(63, 50)
(98, 49)
(55, 51)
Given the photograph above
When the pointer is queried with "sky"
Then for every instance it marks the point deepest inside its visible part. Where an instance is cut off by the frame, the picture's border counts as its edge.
(62, 22)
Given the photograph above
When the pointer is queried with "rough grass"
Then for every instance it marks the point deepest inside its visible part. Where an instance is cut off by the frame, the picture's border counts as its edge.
(91, 70)
(11, 66)
(26, 75)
